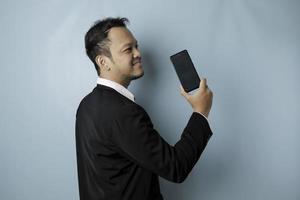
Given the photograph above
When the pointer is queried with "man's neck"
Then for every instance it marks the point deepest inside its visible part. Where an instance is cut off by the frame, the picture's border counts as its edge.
(124, 83)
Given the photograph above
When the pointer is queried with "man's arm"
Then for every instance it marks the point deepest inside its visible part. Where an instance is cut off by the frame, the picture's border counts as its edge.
(136, 137)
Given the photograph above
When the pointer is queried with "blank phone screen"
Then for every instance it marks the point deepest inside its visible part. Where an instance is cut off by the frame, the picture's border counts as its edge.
(185, 70)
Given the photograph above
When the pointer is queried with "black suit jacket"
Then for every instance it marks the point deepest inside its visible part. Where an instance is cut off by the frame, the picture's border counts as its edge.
(119, 153)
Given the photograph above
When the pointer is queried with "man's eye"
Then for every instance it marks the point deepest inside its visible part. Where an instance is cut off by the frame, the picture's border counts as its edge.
(128, 49)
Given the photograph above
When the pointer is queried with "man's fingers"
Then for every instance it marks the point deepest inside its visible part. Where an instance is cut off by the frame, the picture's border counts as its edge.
(183, 93)
(203, 84)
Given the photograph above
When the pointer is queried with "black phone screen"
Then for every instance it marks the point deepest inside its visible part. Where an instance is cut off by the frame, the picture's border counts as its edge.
(185, 70)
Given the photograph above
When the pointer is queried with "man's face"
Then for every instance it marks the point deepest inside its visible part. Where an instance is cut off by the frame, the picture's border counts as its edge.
(125, 62)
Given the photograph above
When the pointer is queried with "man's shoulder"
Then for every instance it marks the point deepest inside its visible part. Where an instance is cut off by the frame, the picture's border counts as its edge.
(104, 100)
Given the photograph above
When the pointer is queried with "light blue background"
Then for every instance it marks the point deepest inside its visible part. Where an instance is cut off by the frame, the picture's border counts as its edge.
(248, 50)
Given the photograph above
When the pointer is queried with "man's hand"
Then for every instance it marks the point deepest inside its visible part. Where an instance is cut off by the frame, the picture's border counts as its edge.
(201, 100)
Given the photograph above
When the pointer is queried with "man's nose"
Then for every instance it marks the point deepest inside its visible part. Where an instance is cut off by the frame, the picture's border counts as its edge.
(137, 53)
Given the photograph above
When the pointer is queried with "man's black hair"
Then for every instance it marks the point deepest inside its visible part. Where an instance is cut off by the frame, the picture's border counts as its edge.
(96, 41)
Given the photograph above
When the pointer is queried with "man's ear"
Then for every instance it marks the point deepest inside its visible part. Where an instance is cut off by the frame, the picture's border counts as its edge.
(102, 63)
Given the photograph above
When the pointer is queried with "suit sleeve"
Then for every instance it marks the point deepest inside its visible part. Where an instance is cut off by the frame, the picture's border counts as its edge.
(136, 137)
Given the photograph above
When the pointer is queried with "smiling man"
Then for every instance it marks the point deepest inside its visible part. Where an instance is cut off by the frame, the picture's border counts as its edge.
(119, 153)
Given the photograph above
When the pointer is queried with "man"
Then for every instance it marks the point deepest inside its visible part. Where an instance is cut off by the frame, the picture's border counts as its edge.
(119, 153)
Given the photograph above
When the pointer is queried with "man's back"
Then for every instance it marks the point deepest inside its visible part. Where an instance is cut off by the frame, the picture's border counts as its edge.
(106, 171)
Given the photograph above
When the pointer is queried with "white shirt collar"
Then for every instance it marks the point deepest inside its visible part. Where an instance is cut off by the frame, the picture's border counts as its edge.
(116, 86)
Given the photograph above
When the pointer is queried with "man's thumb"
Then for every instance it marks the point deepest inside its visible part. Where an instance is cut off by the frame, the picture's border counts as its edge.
(203, 83)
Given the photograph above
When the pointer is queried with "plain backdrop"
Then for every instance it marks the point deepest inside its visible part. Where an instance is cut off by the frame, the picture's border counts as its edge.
(248, 50)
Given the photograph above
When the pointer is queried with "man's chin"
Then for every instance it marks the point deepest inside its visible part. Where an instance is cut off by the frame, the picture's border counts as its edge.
(134, 77)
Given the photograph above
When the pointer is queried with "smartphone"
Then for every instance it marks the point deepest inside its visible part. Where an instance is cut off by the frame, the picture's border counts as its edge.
(185, 70)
